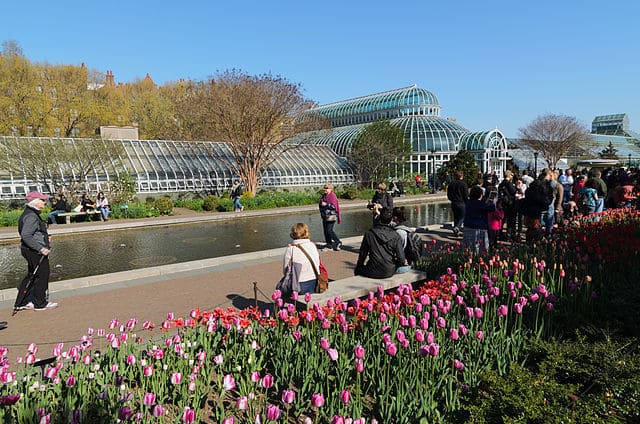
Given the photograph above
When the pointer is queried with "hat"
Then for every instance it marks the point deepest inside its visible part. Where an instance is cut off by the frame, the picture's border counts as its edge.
(36, 195)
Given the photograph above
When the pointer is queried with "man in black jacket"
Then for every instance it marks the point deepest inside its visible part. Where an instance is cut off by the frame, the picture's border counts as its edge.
(458, 194)
(59, 206)
(507, 198)
(537, 198)
(35, 248)
(383, 246)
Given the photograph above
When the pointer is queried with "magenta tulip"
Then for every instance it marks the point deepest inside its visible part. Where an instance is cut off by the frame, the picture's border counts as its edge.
(149, 399)
(242, 403)
(189, 415)
(273, 412)
(345, 396)
(158, 411)
(288, 396)
(228, 382)
(358, 351)
(317, 400)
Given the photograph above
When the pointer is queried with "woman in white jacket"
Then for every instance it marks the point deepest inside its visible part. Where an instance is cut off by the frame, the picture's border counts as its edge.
(301, 268)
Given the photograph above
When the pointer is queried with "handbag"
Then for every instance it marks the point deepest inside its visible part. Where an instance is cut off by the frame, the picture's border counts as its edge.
(285, 285)
(329, 213)
(322, 277)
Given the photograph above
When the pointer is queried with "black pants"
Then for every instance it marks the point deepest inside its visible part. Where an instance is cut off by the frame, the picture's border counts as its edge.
(38, 290)
(330, 236)
(458, 214)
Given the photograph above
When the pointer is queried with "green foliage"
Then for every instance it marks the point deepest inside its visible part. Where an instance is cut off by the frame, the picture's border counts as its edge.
(142, 210)
(210, 203)
(164, 205)
(609, 152)
(193, 204)
(379, 151)
(9, 218)
(592, 378)
(462, 161)
(348, 192)
(149, 200)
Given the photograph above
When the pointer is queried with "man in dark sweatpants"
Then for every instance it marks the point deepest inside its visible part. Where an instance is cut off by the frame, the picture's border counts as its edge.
(458, 194)
(35, 248)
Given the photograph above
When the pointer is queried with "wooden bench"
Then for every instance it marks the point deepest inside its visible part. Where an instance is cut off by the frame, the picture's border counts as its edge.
(357, 286)
(67, 215)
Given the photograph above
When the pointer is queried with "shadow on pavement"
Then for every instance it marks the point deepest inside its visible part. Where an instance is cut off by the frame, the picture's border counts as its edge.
(241, 302)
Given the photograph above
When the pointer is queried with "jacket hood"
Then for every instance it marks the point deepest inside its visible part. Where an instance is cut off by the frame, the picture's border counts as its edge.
(384, 233)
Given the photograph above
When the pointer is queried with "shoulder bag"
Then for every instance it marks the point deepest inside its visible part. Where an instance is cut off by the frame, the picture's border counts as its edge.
(322, 277)
(287, 285)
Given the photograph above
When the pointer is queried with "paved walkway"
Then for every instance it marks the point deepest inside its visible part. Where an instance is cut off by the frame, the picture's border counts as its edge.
(150, 293)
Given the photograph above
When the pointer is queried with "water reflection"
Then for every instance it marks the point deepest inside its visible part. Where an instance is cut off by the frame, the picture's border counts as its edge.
(85, 254)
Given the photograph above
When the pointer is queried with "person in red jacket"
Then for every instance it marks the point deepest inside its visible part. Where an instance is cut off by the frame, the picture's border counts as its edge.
(330, 214)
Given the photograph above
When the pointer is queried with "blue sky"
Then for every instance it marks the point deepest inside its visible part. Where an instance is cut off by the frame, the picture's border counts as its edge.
(491, 63)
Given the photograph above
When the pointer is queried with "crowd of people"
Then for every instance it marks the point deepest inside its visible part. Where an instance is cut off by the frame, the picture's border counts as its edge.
(492, 210)
(59, 205)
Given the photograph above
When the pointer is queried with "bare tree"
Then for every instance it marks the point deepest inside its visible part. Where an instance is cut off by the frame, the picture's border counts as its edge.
(555, 136)
(254, 115)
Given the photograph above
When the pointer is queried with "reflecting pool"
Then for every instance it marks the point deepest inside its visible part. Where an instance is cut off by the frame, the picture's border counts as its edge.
(85, 254)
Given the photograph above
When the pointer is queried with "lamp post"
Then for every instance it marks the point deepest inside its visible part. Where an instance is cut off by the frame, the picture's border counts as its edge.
(535, 165)
(433, 171)
(629, 160)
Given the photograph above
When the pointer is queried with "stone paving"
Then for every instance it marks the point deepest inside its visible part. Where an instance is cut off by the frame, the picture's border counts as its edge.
(151, 293)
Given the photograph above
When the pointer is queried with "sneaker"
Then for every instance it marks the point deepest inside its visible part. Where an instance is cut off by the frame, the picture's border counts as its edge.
(338, 246)
(50, 305)
(456, 231)
(25, 306)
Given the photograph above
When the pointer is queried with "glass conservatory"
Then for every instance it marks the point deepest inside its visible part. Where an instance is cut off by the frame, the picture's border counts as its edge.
(416, 110)
(175, 166)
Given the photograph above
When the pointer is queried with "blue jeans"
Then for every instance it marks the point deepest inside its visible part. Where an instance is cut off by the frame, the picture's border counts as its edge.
(104, 212)
(52, 216)
(307, 286)
(476, 239)
(548, 218)
(403, 269)
(236, 204)
(599, 204)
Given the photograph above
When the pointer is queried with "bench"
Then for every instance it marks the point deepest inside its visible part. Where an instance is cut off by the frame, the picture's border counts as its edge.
(67, 215)
(357, 286)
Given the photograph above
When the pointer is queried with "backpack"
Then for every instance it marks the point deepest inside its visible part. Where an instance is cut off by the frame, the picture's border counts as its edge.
(505, 197)
(415, 248)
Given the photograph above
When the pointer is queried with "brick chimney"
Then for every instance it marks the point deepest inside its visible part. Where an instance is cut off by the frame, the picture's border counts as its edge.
(110, 81)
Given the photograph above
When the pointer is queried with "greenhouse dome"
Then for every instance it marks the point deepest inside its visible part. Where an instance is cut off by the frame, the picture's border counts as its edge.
(417, 111)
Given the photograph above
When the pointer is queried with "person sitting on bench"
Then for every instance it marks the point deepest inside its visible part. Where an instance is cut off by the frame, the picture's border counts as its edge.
(59, 205)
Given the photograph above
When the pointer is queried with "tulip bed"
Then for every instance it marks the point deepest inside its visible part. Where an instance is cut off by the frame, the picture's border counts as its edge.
(412, 355)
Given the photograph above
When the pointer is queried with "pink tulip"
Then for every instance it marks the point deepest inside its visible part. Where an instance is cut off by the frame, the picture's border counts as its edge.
(228, 382)
(453, 334)
(228, 420)
(266, 381)
(477, 312)
(288, 396)
(502, 310)
(359, 364)
(147, 371)
(458, 365)
(254, 376)
(307, 297)
(391, 349)
(479, 335)
(149, 399)
(242, 403)
(333, 354)
(358, 351)
(176, 378)
(131, 359)
(45, 419)
(517, 308)
(345, 396)
(71, 381)
(430, 337)
(218, 359)
(549, 307)
(434, 349)
(324, 343)
(51, 373)
(273, 412)
(189, 415)
(158, 411)
(317, 400)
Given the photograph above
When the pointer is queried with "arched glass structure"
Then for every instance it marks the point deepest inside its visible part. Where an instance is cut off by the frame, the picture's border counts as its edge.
(417, 111)
(175, 166)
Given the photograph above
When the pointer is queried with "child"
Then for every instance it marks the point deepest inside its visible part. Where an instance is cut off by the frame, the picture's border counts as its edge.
(494, 221)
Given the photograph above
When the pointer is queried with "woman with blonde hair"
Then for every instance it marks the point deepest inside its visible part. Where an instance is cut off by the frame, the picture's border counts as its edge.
(300, 259)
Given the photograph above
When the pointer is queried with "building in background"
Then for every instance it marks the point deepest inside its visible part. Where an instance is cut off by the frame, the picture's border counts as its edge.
(434, 140)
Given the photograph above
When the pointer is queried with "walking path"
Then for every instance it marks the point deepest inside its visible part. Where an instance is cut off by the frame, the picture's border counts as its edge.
(150, 293)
